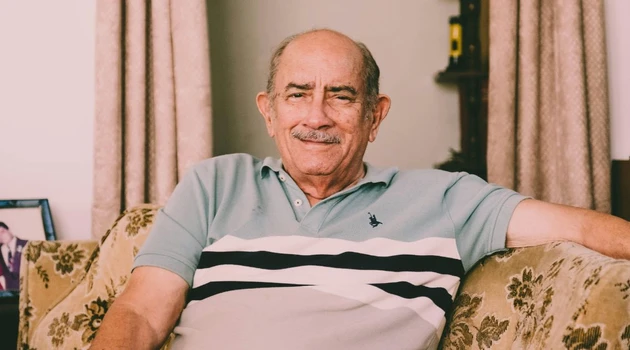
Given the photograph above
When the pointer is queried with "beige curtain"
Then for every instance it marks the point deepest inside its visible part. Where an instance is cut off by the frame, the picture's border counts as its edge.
(548, 124)
(153, 117)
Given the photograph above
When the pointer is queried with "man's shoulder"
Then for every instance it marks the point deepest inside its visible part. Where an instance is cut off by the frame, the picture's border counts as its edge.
(227, 172)
(229, 162)
(426, 182)
(427, 176)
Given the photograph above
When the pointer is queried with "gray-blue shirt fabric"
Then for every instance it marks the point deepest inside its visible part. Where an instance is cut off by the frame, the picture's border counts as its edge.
(268, 270)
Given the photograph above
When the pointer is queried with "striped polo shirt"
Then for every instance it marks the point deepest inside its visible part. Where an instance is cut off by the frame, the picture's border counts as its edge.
(375, 266)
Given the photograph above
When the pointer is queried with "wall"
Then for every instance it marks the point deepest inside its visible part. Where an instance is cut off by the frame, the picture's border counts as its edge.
(618, 44)
(409, 40)
(47, 84)
(47, 107)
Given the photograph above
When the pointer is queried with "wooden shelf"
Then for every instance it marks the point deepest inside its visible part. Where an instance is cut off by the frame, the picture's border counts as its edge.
(471, 78)
(454, 77)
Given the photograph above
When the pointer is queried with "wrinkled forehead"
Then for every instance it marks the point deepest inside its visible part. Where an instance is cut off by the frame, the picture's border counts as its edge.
(322, 61)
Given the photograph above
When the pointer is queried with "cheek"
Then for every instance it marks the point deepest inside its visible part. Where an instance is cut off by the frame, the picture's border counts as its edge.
(287, 116)
(355, 127)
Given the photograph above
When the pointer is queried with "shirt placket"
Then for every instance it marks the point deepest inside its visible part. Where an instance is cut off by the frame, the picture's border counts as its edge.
(295, 196)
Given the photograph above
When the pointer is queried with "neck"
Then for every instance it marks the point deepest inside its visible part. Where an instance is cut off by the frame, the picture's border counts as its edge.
(319, 187)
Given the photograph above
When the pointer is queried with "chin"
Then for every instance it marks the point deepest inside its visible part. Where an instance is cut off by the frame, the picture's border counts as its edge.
(317, 168)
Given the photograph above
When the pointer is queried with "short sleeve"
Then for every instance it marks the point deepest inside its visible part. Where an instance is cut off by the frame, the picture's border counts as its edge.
(179, 233)
(480, 213)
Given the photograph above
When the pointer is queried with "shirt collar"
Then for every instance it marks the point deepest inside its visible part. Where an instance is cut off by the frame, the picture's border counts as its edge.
(372, 175)
(270, 163)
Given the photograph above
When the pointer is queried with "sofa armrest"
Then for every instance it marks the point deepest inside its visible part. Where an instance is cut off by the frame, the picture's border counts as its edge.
(558, 295)
(49, 271)
(84, 278)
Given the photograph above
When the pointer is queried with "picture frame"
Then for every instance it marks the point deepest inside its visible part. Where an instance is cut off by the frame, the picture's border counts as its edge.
(21, 220)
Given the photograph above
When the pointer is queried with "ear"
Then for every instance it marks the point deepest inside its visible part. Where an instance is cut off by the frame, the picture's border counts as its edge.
(378, 114)
(264, 107)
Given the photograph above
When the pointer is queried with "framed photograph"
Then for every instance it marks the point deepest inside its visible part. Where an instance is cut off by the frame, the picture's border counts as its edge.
(21, 220)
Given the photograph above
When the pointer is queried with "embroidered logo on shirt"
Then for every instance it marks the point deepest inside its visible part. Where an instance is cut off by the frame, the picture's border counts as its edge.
(373, 221)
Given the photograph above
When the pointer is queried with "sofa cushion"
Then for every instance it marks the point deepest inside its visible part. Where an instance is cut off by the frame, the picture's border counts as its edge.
(555, 296)
(73, 321)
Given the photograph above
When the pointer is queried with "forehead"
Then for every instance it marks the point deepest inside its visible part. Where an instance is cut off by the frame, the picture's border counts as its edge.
(321, 59)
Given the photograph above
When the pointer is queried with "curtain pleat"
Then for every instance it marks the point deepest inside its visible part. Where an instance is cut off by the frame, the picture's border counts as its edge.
(153, 112)
(548, 123)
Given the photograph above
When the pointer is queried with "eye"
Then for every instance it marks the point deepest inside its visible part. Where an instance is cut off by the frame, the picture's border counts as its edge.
(296, 95)
(343, 98)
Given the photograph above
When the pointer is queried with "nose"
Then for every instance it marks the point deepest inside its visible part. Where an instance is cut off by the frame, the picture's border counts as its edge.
(318, 115)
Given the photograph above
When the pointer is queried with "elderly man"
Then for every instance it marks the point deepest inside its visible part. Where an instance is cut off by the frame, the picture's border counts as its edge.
(321, 250)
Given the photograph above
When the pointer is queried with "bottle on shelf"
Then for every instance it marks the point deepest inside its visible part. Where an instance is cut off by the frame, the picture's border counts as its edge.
(455, 52)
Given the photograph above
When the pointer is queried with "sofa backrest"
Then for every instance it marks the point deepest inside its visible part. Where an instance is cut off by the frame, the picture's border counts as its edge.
(73, 319)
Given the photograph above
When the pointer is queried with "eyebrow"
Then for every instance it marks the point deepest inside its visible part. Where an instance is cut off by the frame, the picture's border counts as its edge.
(311, 86)
(292, 85)
(339, 88)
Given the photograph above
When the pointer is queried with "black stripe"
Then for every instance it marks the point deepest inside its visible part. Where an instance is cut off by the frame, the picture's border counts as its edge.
(213, 288)
(346, 260)
(439, 296)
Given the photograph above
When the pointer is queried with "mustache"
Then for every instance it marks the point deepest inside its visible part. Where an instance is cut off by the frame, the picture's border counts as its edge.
(316, 136)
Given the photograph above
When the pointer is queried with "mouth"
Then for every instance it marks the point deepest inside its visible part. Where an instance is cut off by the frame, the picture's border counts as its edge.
(317, 143)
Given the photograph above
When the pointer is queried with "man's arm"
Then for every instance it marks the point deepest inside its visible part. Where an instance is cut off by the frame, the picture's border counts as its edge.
(145, 313)
(535, 222)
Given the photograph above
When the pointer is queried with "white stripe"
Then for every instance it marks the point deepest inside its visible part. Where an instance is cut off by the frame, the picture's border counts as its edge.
(378, 298)
(322, 275)
(370, 295)
(301, 245)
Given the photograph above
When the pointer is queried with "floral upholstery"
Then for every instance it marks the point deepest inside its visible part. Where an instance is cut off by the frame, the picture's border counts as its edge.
(68, 286)
(556, 296)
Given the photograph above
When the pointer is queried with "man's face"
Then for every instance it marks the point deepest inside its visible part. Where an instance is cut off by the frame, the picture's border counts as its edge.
(318, 113)
(5, 235)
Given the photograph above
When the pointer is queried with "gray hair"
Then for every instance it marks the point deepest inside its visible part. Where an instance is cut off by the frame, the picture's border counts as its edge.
(370, 73)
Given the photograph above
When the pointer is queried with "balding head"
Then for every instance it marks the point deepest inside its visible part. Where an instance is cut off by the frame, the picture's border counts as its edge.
(370, 72)
(327, 109)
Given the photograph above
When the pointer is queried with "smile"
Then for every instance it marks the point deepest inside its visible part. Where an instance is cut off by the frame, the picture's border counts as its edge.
(317, 143)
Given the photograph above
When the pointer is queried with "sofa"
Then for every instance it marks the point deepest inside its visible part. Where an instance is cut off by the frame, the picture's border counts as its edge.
(555, 296)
